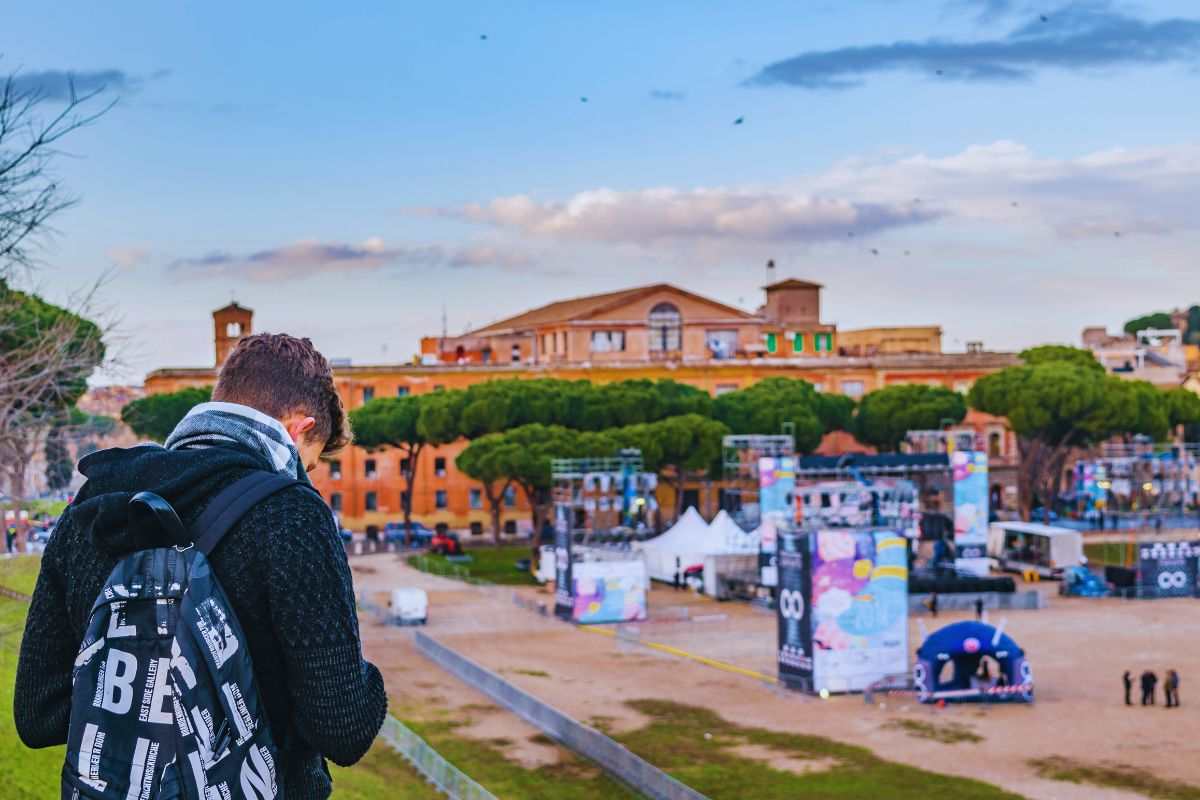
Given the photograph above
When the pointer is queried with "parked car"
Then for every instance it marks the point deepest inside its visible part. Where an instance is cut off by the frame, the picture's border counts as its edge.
(446, 544)
(395, 532)
(40, 535)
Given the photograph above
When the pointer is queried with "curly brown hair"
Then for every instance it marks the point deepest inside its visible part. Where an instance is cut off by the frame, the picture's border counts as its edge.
(279, 375)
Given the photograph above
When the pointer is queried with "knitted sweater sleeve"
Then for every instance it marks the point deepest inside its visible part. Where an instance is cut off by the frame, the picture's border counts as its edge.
(42, 694)
(338, 699)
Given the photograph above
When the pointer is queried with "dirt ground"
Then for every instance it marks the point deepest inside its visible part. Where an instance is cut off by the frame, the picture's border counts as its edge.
(1078, 648)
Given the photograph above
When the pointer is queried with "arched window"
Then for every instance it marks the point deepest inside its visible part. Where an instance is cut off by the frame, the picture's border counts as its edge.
(233, 329)
(994, 444)
(666, 327)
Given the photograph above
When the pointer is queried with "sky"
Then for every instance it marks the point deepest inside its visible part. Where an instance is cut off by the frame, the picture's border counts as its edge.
(1010, 170)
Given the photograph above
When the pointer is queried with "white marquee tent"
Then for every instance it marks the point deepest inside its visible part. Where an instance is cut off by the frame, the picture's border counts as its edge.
(691, 539)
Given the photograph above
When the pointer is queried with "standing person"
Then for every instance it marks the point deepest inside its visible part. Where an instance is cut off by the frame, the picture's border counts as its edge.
(1127, 679)
(1171, 688)
(282, 565)
(678, 576)
(933, 604)
(10, 536)
(979, 608)
(1149, 681)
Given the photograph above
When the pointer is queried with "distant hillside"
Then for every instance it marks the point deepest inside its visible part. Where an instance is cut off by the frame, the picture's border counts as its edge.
(1163, 319)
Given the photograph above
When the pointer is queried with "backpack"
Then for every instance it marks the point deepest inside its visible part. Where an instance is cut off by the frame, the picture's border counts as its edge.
(164, 705)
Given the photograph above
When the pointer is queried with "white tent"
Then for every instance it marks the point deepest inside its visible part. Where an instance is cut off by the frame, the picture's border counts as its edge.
(725, 531)
(690, 539)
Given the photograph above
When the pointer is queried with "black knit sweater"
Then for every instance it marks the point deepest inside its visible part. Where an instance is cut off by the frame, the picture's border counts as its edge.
(284, 571)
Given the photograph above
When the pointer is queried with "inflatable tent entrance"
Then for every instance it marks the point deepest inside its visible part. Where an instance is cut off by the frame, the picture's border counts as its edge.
(963, 645)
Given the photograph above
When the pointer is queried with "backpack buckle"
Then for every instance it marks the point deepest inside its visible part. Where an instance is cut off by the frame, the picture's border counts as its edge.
(179, 549)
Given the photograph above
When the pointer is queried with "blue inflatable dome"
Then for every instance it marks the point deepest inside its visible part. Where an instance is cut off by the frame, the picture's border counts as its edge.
(949, 666)
(968, 638)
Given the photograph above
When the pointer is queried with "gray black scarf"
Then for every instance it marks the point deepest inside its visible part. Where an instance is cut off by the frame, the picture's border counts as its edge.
(216, 423)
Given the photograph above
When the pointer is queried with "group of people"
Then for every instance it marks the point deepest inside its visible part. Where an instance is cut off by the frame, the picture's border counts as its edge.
(1149, 685)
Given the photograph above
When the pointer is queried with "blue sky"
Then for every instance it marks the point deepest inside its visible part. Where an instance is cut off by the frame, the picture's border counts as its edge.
(1011, 170)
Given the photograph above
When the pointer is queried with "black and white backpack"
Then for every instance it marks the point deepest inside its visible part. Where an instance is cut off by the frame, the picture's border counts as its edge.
(164, 704)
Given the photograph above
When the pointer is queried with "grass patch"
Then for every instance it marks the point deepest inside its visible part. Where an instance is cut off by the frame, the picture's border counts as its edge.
(20, 573)
(571, 778)
(947, 733)
(491, 564)
(675, 741)
(533, 673)
(1114, 776)
(1102, 553)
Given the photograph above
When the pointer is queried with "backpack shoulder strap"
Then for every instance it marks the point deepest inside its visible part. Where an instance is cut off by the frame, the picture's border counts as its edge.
(232, 502)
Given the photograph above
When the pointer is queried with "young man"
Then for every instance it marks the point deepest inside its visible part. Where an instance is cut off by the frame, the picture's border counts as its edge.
(282, 566)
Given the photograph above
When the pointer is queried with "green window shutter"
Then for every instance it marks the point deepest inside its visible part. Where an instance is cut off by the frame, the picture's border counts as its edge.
(798, 342)
(771, 343)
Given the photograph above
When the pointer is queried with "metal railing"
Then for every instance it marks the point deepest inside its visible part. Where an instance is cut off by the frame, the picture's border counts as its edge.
(429, 762)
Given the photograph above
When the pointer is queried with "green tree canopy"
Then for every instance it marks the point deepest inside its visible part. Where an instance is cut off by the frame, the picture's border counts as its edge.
(155, 416)
(768, 404)
(1058, 353)
(885, 416)
(1158, 319)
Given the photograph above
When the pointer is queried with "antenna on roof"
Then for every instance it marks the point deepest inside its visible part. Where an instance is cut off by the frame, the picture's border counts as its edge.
(443, 320)
(770, 270)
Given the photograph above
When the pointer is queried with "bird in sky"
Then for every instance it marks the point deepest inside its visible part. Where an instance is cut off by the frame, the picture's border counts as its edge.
(1015, 204)
(850, 234)
(874, 252)
(941, 72)
(739, 120)
(905, 252)
(583, 99)
(483, 37)
(1045, 18)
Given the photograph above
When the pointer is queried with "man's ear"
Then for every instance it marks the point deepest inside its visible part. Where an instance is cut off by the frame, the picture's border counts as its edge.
(298, 426)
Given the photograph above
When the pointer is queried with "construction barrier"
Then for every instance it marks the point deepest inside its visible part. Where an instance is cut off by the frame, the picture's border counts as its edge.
(632, 770)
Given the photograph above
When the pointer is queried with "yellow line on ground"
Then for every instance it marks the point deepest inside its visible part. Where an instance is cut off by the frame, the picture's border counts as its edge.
(675, 651)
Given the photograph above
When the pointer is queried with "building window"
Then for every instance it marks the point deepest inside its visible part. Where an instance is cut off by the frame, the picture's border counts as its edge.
(772, 341)
(476, 498)
(666, 327)
(372, 501)
(797, 342)
(335, 469)
(439, 498)
(516, 353)
(439, 467)
(368, 393)
(486, 355)
(608, 341)
(510, 496)
(852, 388)
(726, 388)
(335, 501)
(370, 468)
(722, 344)
(823, 342)
(401, 391)
(233, 329)
(994, 447)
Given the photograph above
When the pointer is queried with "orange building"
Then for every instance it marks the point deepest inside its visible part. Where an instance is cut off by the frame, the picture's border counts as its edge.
(658, 331)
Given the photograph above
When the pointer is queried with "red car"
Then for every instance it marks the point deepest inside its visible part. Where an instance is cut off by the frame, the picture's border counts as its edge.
(446, 544)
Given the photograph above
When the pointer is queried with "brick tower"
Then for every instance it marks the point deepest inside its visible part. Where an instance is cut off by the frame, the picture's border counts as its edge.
(230, 324)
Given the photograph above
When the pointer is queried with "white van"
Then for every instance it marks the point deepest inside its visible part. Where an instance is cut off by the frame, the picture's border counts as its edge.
(1021, 546)
(409, 606)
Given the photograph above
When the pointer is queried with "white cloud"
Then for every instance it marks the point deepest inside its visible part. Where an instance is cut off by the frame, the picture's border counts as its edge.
(128, 257)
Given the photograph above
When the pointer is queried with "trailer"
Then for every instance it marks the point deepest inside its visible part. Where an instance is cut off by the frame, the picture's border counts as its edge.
(1032, 547)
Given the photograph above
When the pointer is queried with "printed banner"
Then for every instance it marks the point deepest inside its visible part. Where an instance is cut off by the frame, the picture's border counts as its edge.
(859, 608)
(564, 605)
(970, 510)
(609, 591)
(794, 611)
(1167, 569)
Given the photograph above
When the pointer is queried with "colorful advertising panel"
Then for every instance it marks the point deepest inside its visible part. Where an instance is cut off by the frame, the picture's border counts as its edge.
(970, 469)
(1167, 569)
(859, 608)
(794, 611)
(609, 591)
(777, 506)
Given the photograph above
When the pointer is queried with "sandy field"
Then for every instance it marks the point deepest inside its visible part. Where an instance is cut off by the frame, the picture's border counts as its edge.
(1078, 647)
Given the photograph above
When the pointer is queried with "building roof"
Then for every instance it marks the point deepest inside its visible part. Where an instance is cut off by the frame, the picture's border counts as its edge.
(792, 283)
(590, 305)
(233, 306)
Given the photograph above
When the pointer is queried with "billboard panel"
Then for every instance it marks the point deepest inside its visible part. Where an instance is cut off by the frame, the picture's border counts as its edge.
(776, 498)
(1167, 569)
(609, 591)
(970, 469)
(794, 611)
(859, 608)
(564, 606)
